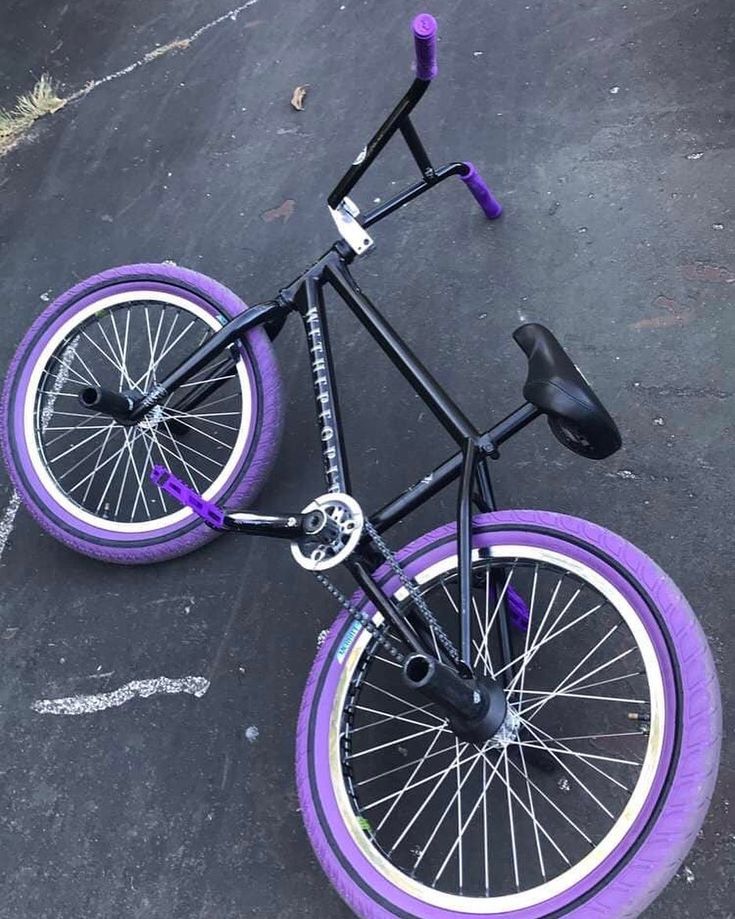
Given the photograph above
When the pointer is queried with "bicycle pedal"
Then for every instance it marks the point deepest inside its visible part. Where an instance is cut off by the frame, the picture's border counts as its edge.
(209, 512)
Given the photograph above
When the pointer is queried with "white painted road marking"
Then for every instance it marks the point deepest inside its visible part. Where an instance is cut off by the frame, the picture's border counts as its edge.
(8, 519)
(84, 705)
(160, 50)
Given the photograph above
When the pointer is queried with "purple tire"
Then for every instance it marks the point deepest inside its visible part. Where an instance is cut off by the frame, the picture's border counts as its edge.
(243, 474)
(677, 793)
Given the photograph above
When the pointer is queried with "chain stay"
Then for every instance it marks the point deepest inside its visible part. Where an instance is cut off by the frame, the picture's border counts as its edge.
(363, 618)
(410, 585)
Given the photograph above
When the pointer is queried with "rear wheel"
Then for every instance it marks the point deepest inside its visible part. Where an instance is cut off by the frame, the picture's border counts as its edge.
(596, 789)
(84, 476)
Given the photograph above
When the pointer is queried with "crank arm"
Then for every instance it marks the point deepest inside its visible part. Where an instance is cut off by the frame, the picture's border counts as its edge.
(313, 525)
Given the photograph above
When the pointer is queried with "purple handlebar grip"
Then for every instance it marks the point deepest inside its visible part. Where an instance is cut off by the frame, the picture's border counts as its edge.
(424, 39)
(490, 205)
(207, 510)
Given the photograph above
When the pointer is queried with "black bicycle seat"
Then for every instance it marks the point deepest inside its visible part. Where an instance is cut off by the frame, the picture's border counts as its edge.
(557, 388)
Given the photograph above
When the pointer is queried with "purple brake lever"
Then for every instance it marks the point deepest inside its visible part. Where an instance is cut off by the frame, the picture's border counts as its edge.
(209, 512)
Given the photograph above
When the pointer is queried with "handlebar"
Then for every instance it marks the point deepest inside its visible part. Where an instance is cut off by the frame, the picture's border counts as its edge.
(424, 38)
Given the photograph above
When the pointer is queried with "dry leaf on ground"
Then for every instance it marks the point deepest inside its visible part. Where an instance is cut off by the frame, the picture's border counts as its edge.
(297, 99)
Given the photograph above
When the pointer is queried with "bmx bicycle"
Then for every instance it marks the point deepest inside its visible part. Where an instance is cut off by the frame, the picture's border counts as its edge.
(515, 715)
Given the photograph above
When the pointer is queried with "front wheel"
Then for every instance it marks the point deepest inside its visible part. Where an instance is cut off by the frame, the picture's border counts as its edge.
(594, 793)
(85, 477)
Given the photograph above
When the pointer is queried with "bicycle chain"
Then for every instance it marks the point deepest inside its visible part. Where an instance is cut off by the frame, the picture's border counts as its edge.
(361, 617)
(413, 591)
(410, 585)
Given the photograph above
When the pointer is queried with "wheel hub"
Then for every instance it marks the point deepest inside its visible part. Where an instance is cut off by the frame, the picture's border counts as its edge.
(152, 419)
(508, 732)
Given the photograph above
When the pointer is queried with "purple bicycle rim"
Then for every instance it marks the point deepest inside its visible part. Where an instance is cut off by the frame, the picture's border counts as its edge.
(321, 776)
(63, 516)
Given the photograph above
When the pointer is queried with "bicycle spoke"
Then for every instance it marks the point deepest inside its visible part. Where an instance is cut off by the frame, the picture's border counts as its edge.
(122, 349)
(131, 449)
(570, 772)
(390, 717)
(95, 433)
(188, 467)
(408, 782)
(564, 751)
(530, 651)
(148, 446)
(476, 806)
(387, 772)
(82, 426)
(150, 373)
(393, 743)
(177, 445)
(499, 603)
(170, 332)
(552, 635)
(152, 369)
(208, 403)
(485, 840)
(454, 802)
(110, 478)
(108, 357)
(420, 782)
(564, 686)
(537, 825)
(76, 428)
(485, 658)
(375, 711)
(205, 414)
(399, 699)
(532, 811)
(533, 707)
(613, 679)
(231, 376)
(553, 804)
(188, 424)
(511, 824)
(522, 671)
(460, 860)
(601, 736)
(99, 457)
(89, 474)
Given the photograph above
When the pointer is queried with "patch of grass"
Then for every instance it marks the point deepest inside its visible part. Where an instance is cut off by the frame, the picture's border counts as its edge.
(41, 100)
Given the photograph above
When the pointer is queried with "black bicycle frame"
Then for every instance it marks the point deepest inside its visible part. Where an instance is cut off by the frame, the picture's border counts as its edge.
(306, 297)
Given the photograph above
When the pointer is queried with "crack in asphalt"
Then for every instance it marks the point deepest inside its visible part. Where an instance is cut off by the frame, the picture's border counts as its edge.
(177, 44)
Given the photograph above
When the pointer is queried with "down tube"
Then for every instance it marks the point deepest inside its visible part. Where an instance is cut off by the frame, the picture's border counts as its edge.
(334, 458)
